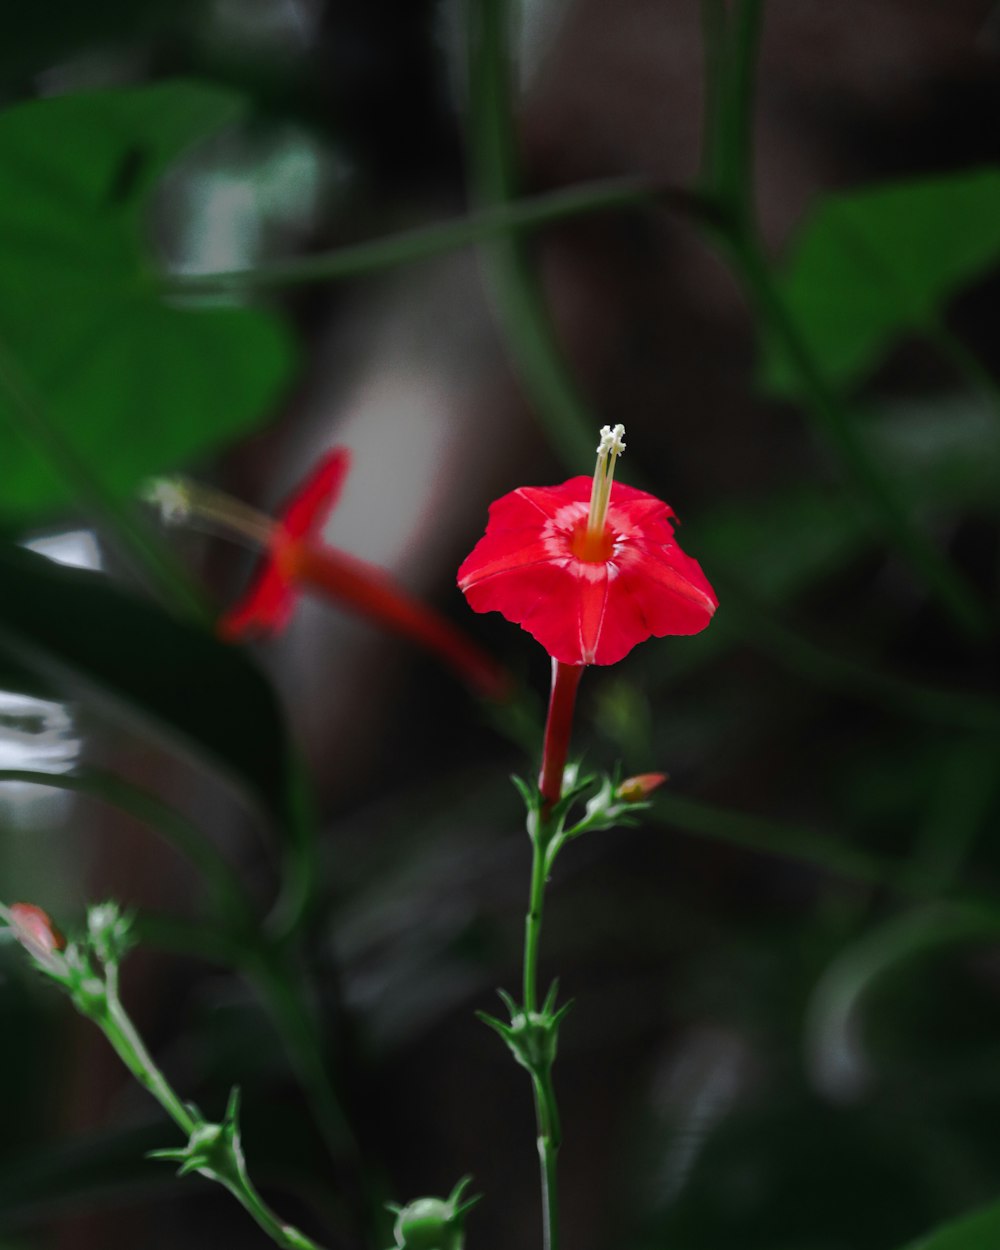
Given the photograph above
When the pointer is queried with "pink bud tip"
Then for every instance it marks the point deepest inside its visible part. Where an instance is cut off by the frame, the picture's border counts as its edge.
(637, 789)
(34, 930)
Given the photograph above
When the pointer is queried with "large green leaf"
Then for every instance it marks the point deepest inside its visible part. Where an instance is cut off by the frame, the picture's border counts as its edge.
(70, 625)
(872, 265)
(979, 1231)
(137, 384)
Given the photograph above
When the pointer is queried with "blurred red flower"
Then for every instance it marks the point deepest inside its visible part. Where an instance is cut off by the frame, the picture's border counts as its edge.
(298, 560)
(587, 597)
(268, 605)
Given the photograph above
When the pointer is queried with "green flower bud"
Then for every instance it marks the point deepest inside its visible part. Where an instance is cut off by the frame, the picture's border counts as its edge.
(433, 1223)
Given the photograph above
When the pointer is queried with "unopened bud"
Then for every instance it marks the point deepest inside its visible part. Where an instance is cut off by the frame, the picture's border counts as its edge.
(433, 1223)
(637, 789)
(34, 929)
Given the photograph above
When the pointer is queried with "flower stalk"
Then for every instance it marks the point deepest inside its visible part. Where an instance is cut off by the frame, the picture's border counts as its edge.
(88, 973)
(558, 728)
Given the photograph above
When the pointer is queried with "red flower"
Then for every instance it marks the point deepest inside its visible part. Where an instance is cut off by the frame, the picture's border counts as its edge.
(587, 571)
(298, 560)
(268, 606)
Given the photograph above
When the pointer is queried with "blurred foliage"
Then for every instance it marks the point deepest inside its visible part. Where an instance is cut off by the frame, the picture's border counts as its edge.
(874, 264)
(73, 628)
(136, 384)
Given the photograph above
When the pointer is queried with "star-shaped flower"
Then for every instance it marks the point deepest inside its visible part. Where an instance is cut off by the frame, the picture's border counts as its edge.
(298, 560)
(268, 605)
(588, 571)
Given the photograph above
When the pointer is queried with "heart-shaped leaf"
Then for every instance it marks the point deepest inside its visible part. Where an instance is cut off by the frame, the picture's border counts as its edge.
(136, 384)
(872, 265)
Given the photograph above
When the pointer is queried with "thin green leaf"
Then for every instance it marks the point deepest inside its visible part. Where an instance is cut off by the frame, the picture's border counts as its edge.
(69, 625)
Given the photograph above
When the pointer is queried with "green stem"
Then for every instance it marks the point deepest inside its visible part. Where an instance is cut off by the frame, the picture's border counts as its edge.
(170, 824)
(767, 837)
(518, 301)
(546, 1110)
(277, 984)
(714, 27)
(284, 1235)
(231, 1172)
(130, 1048)
(731, 51)
(409, 246)
(833, 421)
(965, 362)
(737, 123)
(544, 846)
(137, 541)
(301, 874)
(797, 654)
(547, 1119)
(533, 925)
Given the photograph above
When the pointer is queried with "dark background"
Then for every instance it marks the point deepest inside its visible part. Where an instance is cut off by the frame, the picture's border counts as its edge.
(723, 1081)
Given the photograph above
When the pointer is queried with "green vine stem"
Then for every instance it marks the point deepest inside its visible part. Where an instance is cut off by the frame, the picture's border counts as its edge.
(518, 301)
(88, 973)
(213, 1150)
(265, 962)
(730, 63)
(755, 625)
(537, 1027)
(411, 246)
(138, 542)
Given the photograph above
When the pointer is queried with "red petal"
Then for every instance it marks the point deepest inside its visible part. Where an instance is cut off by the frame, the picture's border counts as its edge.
(266, 608)
(561, 610)
(268, 605)
(497, 554)
(309, 508)
(516, 533)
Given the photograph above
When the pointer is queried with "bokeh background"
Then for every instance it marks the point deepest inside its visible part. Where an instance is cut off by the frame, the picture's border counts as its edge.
(787, 995)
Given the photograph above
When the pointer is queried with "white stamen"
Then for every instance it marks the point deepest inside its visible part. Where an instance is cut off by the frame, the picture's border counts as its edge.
(172, 496)
(611, 446)
(612, 440)
(202, 507)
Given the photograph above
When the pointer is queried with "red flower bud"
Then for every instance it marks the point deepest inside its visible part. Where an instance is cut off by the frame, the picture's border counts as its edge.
(34, 929)
(638, 788)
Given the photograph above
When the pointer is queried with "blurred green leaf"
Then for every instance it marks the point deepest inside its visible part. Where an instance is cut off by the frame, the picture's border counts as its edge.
(786, 542)
(137, 385)
(873, 264)
(71, 625)
(979, 1231)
